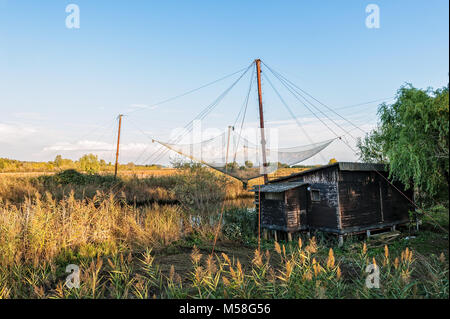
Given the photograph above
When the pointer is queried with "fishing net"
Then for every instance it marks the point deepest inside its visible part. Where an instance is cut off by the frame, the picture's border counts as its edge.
(235, 155)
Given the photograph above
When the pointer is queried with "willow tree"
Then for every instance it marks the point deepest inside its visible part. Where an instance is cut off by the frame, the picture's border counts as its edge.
(412, 136)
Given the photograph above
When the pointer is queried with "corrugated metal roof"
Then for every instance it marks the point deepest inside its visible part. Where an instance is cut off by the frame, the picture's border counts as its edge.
(343, 166)
(277, 188)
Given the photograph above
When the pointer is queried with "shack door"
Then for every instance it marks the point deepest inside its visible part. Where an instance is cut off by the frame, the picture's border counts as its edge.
(296, 205)
(303, 197)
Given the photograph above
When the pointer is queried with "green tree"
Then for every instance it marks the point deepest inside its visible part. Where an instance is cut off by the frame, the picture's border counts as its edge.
(182, 163)
(370, 148)
(58, 162)
(89, 163)
(282, 165)
(201, 191)
(231, 167)
(412, 137)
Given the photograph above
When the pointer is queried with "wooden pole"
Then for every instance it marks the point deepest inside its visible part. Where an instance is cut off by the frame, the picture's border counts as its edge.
(228, 147)
(261, 119)
(259, 218)
(381, 201)
(117, 149)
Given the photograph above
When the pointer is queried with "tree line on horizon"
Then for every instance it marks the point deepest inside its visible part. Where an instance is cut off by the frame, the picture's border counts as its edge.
(89, 163)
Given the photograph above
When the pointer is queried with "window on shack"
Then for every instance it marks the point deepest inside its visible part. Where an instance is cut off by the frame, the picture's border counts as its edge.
(274, 196)
(315, 195)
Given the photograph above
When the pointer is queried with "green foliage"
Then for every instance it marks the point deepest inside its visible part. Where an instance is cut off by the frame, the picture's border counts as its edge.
(201, 191)
(248, 164)
(438, 215)
(8, 164)
(413, 137)
(181, 163)
(58, 161)
(231, 167)
(73, 177)
(69, 176)
(370, 148)
(282, 165)
(240, 223)
(89, 163)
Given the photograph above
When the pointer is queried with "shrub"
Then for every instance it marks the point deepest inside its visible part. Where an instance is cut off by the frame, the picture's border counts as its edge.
(240, 223)
(69, 176)
(200, 191)
(89, 163)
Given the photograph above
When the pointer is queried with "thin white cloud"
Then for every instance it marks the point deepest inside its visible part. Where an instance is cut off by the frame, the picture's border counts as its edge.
(28, 116)
(80, 146)
(10, 133)
(143, 106)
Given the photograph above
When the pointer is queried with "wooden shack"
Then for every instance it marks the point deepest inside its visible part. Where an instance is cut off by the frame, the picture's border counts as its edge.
(340, 198)
(283, 206)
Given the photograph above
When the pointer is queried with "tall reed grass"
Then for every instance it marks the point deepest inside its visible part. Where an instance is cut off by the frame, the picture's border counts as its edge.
(285, 272)
(131, 188)
(40, 229)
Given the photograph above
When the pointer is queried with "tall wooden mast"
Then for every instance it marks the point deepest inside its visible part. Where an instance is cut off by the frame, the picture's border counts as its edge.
(261, 119)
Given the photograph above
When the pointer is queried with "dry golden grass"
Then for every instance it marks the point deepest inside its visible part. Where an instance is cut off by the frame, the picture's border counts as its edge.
(38, 230)
(134, 186)
(147, 173)
(157, 172)
(121, 173)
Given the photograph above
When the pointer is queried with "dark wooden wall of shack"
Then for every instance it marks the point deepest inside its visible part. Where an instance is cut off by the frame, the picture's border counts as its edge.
(288, 214)
(322, 214)
(395, 206)
(367, 200)
(296, 208)
(273, 214)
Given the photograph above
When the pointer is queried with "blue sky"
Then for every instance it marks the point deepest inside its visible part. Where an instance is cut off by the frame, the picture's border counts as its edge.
(61, 89)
